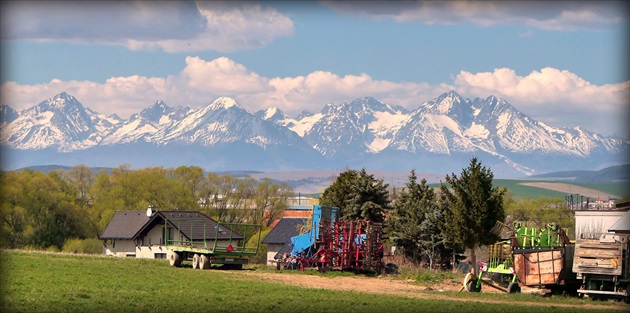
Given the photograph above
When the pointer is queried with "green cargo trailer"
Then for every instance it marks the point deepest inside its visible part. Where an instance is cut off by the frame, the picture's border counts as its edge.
(227, 246)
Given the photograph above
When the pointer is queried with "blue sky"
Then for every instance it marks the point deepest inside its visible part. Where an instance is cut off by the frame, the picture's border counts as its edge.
(563, 63)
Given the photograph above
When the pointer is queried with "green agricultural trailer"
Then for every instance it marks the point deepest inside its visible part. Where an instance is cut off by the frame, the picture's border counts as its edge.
(208, 243)
(532, 257)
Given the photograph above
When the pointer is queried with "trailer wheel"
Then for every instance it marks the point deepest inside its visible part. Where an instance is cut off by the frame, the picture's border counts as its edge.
(204, 262)
(174, 259)
(237, 266)
(470, 283)
(471, 286)
(195, 261)
(513, 288)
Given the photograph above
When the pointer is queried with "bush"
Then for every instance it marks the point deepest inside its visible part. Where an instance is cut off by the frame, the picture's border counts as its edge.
(261, 256)
(52, 249)
(88, 246)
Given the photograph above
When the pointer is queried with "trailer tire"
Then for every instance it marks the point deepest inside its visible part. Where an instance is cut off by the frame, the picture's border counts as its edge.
(195, 261)
(174, 259)
(204, 262)
(514, 288)
(471, 286)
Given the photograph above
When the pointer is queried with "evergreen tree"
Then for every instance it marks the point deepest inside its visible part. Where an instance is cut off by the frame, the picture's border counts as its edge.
(358, 195)
(415, 222)
(339, 192)
(472, 206)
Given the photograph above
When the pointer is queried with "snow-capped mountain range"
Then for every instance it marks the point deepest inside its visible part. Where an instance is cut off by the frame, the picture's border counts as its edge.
(440, 135)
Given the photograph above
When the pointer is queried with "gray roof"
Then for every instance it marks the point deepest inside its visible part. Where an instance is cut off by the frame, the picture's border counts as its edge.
(286, 228)
(196, 226)
(622, 225)
(125, 225)
(193, 225)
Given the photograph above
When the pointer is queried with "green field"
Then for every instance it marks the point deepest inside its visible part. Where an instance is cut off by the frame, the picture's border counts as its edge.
(48, 282)
(518, 190)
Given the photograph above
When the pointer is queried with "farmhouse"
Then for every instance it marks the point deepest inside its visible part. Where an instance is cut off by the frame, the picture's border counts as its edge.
(144, 235)
(278, 240)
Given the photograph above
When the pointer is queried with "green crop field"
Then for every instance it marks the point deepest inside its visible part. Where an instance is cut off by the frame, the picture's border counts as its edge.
(518, 189)
(50, 282)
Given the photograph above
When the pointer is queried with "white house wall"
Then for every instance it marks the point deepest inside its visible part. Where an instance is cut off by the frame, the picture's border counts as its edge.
(272, 250)
(595, 222)
(120, 248)
(150, 246)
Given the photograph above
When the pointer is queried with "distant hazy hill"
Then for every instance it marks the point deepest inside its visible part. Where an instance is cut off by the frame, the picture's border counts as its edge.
(611, 174)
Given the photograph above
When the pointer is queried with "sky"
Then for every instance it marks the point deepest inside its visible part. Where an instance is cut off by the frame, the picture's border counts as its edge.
(564, 63)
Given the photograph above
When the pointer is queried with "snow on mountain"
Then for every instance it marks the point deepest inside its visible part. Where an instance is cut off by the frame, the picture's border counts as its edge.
(60, 122)
(300, 126)
(440, 133)
(364, 125)
(271, 114)
(225, 121)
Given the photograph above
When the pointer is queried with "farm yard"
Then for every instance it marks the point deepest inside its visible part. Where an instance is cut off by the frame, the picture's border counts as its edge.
(54, 282)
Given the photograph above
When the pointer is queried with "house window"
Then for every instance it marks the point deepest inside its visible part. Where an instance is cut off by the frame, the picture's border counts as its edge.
(159, 255)
(130, 255)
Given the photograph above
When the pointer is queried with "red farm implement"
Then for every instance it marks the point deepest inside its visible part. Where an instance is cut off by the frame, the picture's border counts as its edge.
(342, 245)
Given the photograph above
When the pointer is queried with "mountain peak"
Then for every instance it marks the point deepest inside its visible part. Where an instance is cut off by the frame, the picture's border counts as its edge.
(7, 114)
(60, 102)
(446, 103)
(156, 111)
(225, 103)
(272, 114)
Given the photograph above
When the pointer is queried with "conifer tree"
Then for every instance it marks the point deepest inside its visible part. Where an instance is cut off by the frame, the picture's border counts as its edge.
(415, 222)
(358, 195)
(472, 206)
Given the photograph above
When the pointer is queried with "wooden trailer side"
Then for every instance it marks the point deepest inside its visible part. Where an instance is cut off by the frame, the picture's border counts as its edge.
(593, 256)
(538, 267)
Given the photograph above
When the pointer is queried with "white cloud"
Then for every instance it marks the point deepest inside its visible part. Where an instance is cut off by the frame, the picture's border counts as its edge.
(173, 26)
(557, 97)
(548, 15)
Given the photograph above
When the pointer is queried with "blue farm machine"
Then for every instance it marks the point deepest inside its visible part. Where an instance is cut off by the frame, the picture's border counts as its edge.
(536, 258)
(331, 243)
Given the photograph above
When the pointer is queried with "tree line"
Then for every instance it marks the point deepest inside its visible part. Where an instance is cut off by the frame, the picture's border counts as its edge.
(426, 224)
(433, 226)
(46, 210)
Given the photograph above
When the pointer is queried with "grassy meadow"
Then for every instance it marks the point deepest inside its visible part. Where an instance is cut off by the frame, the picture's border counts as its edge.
(55, 282)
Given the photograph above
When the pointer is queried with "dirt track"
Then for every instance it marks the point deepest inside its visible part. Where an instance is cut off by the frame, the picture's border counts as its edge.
(398, 287)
